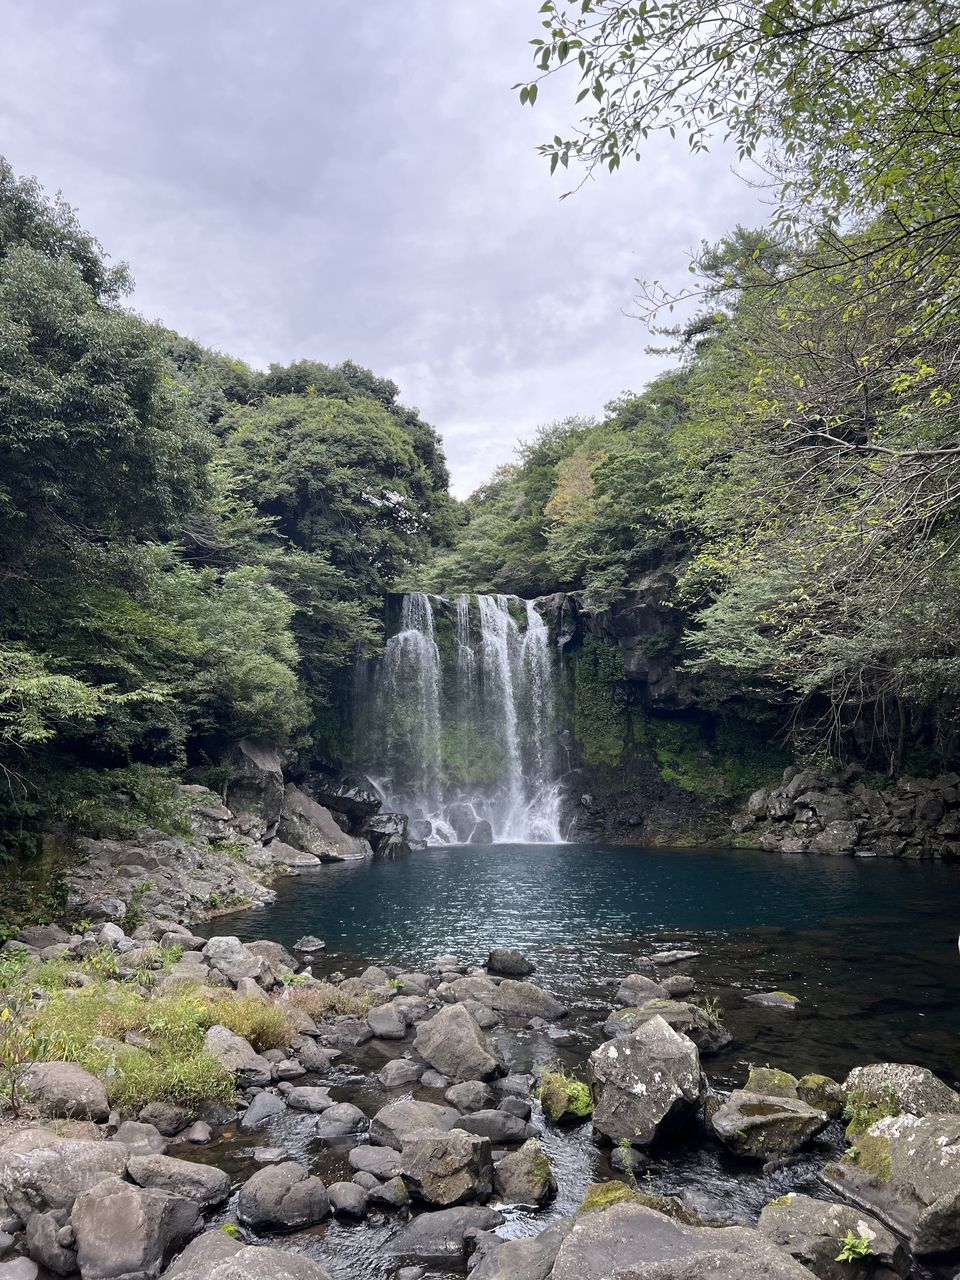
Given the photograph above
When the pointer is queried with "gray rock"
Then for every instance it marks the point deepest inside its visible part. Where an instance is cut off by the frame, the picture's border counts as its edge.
(140, 1139)
(399, 1072)
(18, 1269)
(308, 1098)
(314, 1057)
(509, 962)
(514, 1086)
(645, 1081)
(810, 1231)
(524, 1000)
(447, 1168)
(282, 1197)
(470, 1095)
(165, 1117)
(434, 1079)
(198, 1133)
(285, 855)
(525, 1176)
(342, 1120)
(383, 1162)
(529, 1259)
(678, 985)
(366, 1180)
(347, 1200)
(43, 1244)
(309, 943)
(39, 1171)
(204, 1183)
(256, 788)
(306, 825)
(443, 1237)
(476, 987)
(486, 1018)
(288, 1069)
(393, 1194)
(387, 1022)
(906, 1170)
(256, 1263)
(452, 1043)
(269, 1155)
(762, 1125)
(393, 1122)
(66, 1091)
(636, 989)
(238, 1056)
(127, 1231)
(203, 1253)
(230, 957)
(912, 1089)
(498, 1126)
(628, 1241)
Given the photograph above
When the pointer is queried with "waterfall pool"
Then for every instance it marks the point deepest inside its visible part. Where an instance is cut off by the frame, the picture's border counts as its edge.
(869, 947)
(870, 950)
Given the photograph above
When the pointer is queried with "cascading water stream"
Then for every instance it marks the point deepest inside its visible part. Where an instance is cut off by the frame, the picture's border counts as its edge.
(456, 722)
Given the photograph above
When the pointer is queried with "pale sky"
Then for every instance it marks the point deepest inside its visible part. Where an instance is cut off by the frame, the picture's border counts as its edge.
(324, 179)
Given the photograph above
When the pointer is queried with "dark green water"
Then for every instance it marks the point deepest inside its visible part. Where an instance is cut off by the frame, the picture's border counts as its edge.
(870, 947)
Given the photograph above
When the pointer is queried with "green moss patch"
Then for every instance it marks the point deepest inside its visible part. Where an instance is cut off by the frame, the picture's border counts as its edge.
(871, 1153)
(564, 1097)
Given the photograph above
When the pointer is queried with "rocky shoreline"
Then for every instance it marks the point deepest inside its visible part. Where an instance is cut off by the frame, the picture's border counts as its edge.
(95, 1186)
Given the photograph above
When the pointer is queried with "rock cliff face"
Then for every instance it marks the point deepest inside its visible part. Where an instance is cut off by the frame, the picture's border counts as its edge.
(650, 761)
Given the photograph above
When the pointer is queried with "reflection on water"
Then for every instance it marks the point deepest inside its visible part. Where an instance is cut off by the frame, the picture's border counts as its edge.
(869, 947)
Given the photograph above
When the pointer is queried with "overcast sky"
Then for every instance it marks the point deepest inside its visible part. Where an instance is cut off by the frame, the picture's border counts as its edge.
(331, 179)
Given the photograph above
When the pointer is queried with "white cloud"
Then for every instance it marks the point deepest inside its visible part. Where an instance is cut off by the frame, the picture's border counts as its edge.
(318, 180)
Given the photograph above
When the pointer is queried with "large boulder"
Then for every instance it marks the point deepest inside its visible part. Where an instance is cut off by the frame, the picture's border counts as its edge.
(618, 1236)
(443, 1238)
(202, 1254)
(245, 1263)
(475, 986)
(127, 1231)
(255, 793)
(306, 825)
(811, 1231)
(453, 1043)
(762, 1125)
(447, 1168)
(706, 1032)
(901, 1086)
(525, 1000)
(282, 1197)
(228, 955)
(391, 1124)
(204, 1183)
(39, 1171)
(237, 1056)
(645, 1081)
(906, 1170)
(66, 1091)
(525, 1176)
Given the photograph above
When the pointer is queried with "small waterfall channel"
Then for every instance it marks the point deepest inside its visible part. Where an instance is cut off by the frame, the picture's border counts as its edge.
(456, 722)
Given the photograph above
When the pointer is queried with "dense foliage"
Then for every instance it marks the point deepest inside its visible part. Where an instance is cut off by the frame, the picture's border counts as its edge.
(190, 549)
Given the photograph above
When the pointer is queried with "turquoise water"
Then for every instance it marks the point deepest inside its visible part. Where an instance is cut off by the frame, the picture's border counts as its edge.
(870, 947)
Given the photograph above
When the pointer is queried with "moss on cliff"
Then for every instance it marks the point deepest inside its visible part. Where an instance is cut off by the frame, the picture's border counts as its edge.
(599, 714)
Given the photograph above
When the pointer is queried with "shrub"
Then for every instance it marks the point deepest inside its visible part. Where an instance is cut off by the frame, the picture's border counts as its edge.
(265, 1025)
(323, 999)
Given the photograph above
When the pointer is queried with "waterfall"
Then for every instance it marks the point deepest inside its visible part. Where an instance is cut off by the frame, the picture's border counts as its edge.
(456, 721)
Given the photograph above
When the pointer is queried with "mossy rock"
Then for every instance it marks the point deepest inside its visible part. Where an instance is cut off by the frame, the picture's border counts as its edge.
(770, 1080)
(565, 1100)
(862, 1110)
(821, 1092)
(871, 1153)
(602, 1195)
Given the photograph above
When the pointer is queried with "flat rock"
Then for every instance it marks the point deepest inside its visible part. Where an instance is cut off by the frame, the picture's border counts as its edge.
(525, 1000)
(392, 1123)
(762, 1125)
(382, 1162)
(255, 1263)
(308, 1098)
(399, 1072)
(498, 1126)
(443, 1237)
(913, 1089)
(204, 1183)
